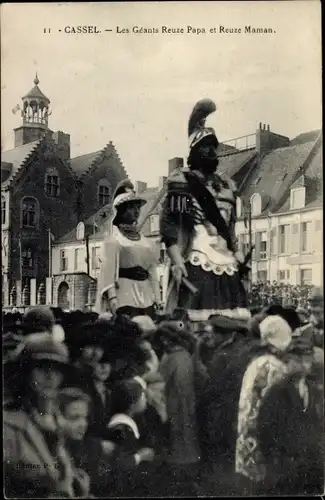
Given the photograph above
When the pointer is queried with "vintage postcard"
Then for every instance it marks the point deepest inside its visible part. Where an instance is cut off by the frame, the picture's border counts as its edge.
(162, 248)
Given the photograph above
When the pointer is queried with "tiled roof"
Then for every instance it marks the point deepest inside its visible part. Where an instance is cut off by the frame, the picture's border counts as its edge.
(314, 184)
(18, 155)
(81, 164)
(305, 137)
(231, 164)
(277, 172)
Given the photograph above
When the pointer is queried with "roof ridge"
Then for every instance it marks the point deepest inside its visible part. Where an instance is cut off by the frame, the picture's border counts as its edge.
(232, 153)
(85, 154)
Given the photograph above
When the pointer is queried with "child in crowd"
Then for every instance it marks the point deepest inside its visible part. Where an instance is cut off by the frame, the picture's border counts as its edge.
(129, 400)
(89, 453)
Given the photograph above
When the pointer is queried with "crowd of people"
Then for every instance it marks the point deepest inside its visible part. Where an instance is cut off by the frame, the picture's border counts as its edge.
(112, 406)
(267, 292)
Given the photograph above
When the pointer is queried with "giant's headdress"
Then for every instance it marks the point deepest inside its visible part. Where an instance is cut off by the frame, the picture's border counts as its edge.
(197, 130)
(125, 193)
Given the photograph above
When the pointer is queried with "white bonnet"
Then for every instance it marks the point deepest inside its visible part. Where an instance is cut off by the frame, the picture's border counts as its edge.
(275, 331)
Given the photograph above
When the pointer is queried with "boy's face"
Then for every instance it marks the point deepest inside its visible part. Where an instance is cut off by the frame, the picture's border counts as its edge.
(102, 371)
(75, 419)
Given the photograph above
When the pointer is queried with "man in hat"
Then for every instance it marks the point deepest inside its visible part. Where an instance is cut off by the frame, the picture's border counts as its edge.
(198, 229)
(128, 281)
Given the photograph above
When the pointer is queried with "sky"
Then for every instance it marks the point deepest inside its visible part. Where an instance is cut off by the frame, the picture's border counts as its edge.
(138, 90)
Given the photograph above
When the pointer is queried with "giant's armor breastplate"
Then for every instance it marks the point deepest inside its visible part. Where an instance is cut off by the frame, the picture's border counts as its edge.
(208, 249)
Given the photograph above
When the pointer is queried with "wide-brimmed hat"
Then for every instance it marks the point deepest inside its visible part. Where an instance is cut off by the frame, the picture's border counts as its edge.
(38, 348)
(39, 318)
(125, 193)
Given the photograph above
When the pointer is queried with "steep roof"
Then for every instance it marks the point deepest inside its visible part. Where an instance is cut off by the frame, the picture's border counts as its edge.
(305, 137)
(231, 164)
(36, 93)
(81, 164)
(277, 172)
(314, 184)
(17, 157)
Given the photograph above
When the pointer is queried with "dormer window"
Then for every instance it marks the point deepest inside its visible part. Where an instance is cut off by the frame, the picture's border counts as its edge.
(29, 212)
(256, 204)
(103, 193)
(297, 198)
(52, 182)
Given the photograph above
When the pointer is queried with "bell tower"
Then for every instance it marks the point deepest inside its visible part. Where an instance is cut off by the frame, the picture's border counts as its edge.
(35, 113)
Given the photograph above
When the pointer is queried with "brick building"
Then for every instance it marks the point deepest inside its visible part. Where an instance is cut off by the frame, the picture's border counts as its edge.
(44, 194)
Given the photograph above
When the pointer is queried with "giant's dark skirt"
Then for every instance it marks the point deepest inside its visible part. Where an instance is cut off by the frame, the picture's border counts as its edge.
(216, 292)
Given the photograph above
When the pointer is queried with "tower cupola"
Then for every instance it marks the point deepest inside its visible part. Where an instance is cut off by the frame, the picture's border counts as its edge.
(36, 106)
(35, 113)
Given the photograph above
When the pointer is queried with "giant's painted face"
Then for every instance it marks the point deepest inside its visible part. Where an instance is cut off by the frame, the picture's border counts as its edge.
(204, 155)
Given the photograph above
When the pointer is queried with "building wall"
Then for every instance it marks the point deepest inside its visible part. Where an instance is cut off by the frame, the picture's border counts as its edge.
(294, 260)
(108, 168)
(77, 291)
(56, 213)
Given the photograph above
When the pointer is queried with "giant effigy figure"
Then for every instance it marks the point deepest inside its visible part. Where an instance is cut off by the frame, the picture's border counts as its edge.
(198, 228)
(128, 281)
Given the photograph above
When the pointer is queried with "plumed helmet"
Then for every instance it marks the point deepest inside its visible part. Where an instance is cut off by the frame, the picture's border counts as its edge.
(197, 130)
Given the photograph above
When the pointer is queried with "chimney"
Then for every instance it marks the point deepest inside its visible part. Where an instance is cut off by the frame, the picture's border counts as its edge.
(62, 142)
(175, 163)
(267, 141)
(162, 182)
(140, 186)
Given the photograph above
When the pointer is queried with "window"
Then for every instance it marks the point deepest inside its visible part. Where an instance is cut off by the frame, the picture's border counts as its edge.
(294, 238)
(282, 276)
(52, 183)
(261, 245)
(306, 277)
(80, 231)
(3, 210)
(162, 256)
(238, 207)
(256, 204)
(262, 276)
(29, 212)
(78, 264)
(273, 241)
(95, 258)
(283, 238)
(63, 260)
(154, 223)
(243, 243)
(27, 258)
(288, 274)
(306, 237)
(297, 198)
(103, 193)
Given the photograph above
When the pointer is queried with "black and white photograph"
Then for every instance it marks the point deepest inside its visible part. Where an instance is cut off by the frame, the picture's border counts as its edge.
(162, 249)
